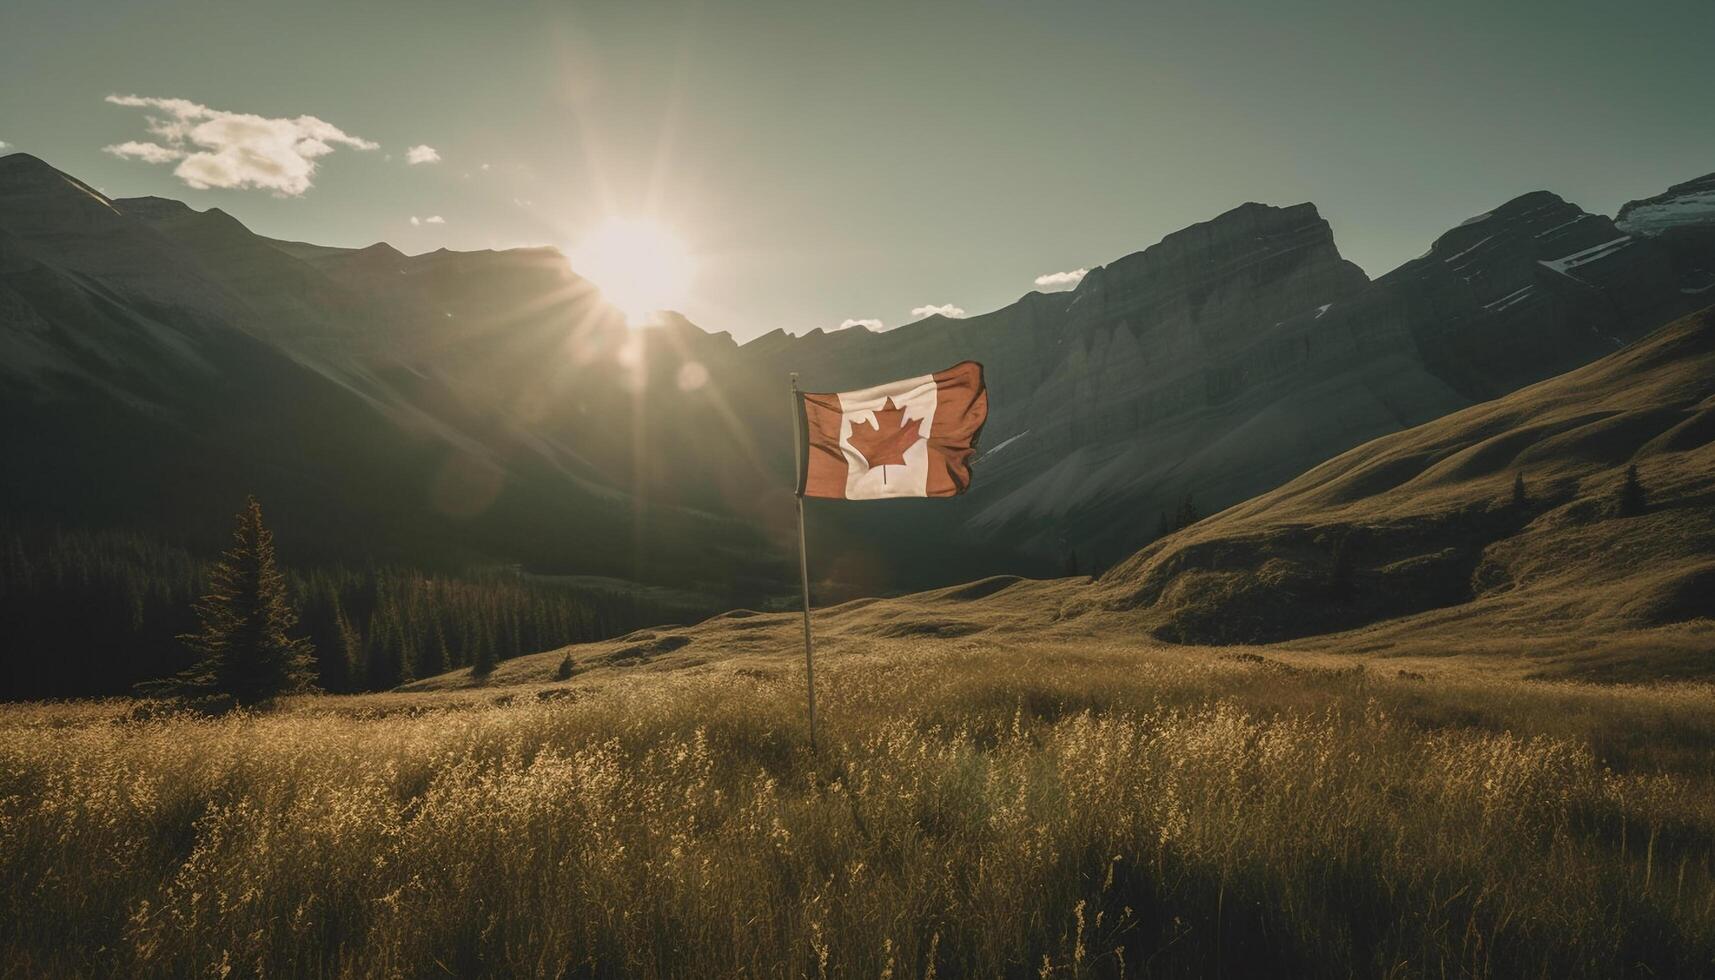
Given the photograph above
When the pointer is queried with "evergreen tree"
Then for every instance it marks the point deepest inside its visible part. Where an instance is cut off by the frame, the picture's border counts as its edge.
(101, 611)
(484, 663)
(1341, 575)
(1633, 500)
(565, 671)
(244, 622)
(441, 656)
(350, 651)
(387, 668)
(1187, 515)
(405, 657)
(1521, 495)
(1163, 526)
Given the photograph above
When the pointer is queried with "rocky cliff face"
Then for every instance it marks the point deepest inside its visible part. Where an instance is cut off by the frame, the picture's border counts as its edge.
(1682, 221)
(1531, 289)
(1209, 365)
(1239, 352)
(1687, 205)
(1162, 354)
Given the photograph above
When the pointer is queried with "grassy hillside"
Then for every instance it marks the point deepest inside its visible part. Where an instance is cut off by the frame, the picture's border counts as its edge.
(986, 804)
(1417, 540)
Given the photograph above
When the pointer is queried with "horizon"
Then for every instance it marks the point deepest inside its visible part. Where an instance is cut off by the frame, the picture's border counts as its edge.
(925, 198)
(567, 253)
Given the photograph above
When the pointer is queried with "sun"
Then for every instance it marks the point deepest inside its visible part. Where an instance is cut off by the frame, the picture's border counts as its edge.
(639, 266)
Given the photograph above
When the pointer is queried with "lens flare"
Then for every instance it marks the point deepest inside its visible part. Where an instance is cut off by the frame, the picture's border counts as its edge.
(640, 267)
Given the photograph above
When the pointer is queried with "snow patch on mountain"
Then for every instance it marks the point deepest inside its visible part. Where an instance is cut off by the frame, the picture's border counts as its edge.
(1005, 443)
(1680, 206)
(1675, 212)
(1566, 263)
(1461, 254)
(1513, 298)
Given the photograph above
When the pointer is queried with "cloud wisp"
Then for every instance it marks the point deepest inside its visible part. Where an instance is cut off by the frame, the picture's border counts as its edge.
(422, 153)
(146, 152)
(1062, 280)
(433, 219)
(216, 148)
(945, 309)
(868, 323)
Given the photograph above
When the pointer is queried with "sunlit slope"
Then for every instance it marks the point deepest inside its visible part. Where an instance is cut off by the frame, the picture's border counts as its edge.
(1417, 535)
(1003, 609)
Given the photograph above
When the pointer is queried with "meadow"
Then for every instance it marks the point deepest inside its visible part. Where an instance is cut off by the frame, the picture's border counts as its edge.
(978, 807)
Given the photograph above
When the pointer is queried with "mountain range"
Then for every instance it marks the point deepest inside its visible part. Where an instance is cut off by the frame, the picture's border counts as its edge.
(158, 362)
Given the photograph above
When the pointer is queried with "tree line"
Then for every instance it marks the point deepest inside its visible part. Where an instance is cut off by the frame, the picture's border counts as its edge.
(89, 613)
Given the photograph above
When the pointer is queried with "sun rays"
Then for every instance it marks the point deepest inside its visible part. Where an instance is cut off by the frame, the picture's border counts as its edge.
(640, 267)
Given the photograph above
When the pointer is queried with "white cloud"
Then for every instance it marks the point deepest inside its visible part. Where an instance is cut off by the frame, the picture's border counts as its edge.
(146, 152)
(945, 309)
(4, 144)
(483, 167)
(422, 153)
(433, 219)
(216, 148)
(868, 323)
(1061, 280)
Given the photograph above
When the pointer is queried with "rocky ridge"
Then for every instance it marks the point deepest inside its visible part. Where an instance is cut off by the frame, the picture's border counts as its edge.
(1216, 364)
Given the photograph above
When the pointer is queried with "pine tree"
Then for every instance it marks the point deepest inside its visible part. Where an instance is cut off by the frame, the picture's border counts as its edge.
(1187, 515)
(389, 659)
(1341, 574)
(244, 622)
(350, 653)
(442, 657)
(1521, 495)
(1633, 500)
(484, 663)
(406, 657)
(565, 671)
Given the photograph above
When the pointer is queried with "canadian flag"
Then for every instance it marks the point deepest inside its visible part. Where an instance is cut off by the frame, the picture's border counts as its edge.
(910, 438)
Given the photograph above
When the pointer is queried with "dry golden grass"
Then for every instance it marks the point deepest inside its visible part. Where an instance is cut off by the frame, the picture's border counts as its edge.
(982, 805)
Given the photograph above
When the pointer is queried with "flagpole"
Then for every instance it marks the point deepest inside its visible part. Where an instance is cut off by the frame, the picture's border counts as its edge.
(803, 560)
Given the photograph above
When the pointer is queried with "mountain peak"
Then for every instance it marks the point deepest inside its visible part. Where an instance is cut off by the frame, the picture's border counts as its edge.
(380, 250)
(1235, 230)
(30, 185)
(1537, 219)
(151, 206)
(1265, 263)
(22, 162)
(1684, 205)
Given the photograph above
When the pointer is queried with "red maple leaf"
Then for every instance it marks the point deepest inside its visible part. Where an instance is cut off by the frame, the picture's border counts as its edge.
(884, 442)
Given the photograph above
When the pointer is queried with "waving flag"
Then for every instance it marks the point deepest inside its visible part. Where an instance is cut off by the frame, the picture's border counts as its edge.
(910, 438)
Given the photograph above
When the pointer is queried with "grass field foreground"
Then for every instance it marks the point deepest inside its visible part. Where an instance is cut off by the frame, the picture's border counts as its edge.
(976, 809)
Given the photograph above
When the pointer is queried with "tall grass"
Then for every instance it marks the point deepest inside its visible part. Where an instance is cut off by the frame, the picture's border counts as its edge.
(974, 811)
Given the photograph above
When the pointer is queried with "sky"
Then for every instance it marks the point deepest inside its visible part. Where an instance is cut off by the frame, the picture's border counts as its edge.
(826, 163)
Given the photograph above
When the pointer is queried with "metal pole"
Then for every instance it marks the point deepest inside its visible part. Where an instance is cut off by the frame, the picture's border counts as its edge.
(803, 562)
